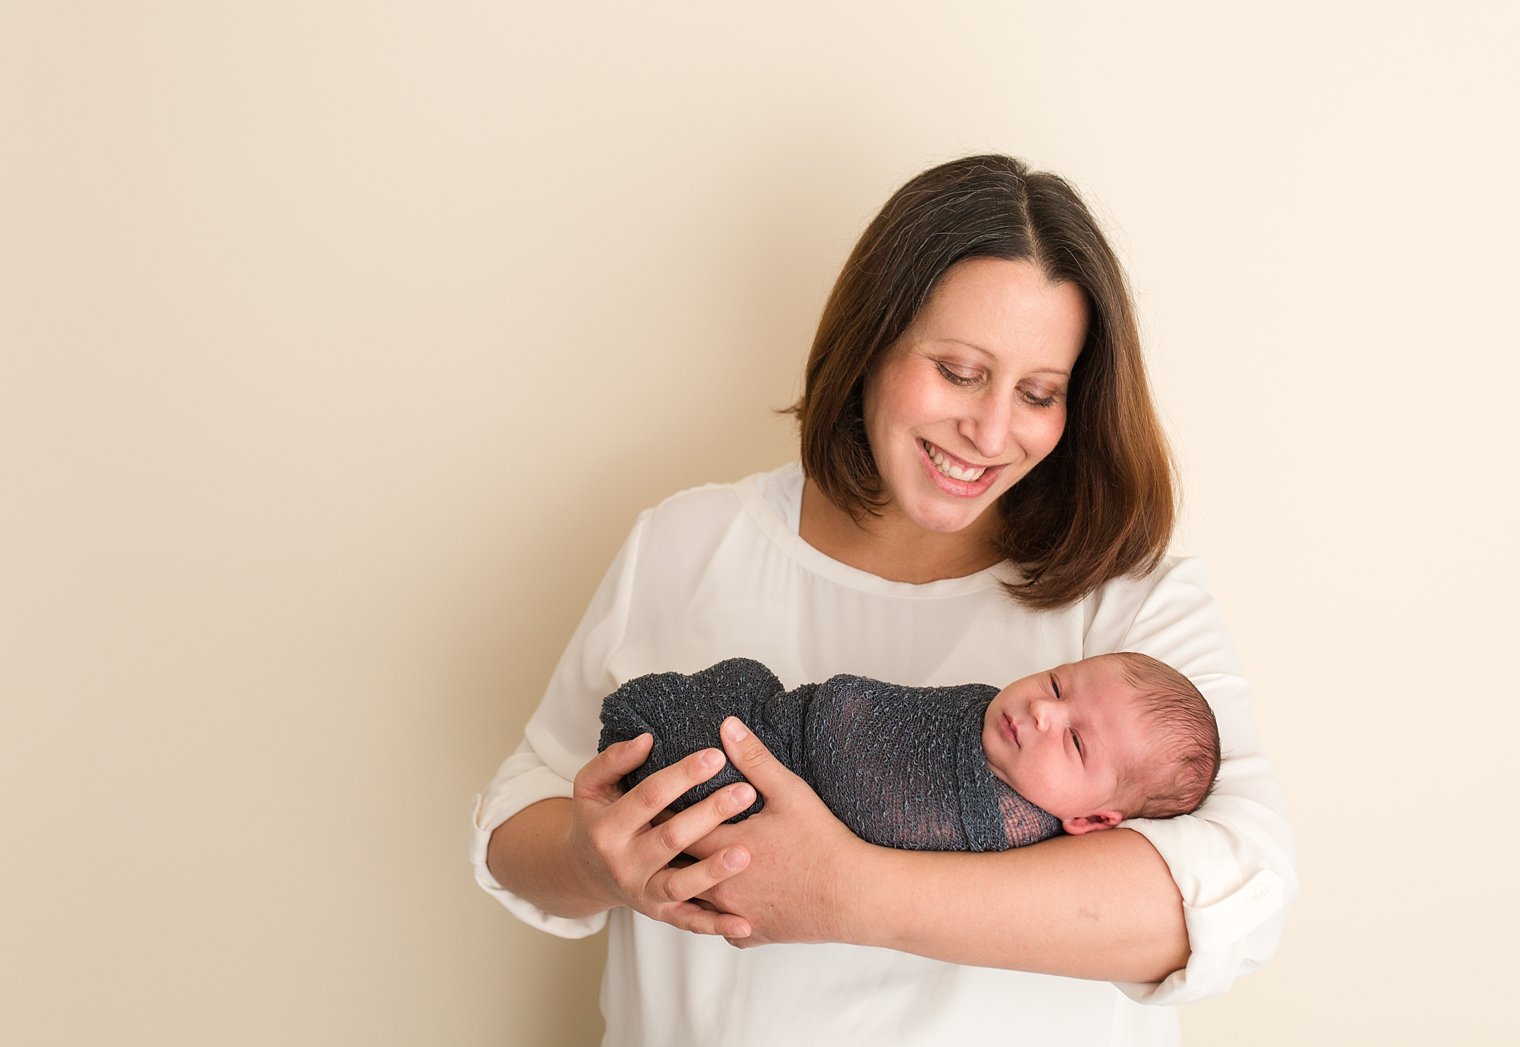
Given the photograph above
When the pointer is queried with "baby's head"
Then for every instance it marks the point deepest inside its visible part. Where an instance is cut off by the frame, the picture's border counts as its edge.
(1110, 737)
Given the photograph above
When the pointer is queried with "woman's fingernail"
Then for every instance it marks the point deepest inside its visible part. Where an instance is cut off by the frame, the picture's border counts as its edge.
(712, 759)
(734, 729)
(734, 858)
(742, 796)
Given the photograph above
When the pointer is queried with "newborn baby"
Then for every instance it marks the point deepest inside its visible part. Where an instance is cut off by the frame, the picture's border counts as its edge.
(964, 768)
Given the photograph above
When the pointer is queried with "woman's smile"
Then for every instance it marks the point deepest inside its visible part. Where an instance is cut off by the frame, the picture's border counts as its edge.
(956, 476)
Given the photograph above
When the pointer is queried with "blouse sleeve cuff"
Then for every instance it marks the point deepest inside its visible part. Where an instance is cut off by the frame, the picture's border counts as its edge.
(1233, 924)
(495, 807)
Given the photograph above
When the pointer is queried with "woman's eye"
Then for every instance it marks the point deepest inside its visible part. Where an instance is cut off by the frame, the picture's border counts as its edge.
(1034, 399)
(954, 376)
(1076, 740)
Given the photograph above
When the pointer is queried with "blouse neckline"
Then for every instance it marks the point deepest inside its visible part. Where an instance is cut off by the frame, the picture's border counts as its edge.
(774, 501)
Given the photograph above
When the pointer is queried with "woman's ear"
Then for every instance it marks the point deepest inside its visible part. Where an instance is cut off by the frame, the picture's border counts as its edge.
(1086, 823)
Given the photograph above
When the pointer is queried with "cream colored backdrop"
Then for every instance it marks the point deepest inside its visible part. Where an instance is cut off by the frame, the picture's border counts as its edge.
(342, 341)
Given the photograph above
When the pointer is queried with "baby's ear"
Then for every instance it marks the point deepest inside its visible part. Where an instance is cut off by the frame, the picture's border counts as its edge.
(1086, 823)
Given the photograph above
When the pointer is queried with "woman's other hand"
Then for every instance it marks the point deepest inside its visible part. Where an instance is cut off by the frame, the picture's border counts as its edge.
(607, 846)
(622, 845)
(798, 886)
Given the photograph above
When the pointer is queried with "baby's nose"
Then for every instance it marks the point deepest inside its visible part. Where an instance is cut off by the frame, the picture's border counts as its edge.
(1040, 710)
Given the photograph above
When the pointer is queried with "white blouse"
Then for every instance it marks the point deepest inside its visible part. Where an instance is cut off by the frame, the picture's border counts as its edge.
(720, 571)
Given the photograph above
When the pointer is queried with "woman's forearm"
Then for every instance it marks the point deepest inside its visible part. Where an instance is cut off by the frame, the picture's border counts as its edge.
(528, 856)
(1100, 906)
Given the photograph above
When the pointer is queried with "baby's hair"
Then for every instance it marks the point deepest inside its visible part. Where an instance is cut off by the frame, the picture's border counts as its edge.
(1183, 762)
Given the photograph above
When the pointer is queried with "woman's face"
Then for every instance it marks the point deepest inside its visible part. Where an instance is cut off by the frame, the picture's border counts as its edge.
(973, 395)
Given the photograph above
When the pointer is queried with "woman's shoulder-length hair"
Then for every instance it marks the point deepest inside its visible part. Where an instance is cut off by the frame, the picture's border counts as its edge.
(1102, 504)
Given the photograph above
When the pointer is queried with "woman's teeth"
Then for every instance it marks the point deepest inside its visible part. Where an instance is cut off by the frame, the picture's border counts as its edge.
(949, 468)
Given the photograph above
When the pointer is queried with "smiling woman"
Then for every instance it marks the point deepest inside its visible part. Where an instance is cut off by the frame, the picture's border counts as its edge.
(972, 397)
(983, 492)
(997, 278)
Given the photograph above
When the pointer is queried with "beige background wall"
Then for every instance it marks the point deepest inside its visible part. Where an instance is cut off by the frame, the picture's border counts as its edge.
(340, 342)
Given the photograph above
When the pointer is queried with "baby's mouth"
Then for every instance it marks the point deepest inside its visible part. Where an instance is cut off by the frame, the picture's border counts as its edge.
(1013, 729)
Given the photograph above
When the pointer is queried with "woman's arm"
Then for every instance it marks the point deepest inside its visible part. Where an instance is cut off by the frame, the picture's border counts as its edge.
(603, 847)
(1199, 902)
(1097, 906)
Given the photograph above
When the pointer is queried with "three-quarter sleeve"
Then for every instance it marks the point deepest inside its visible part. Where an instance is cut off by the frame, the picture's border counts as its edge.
(1232, 860)
(560, 737)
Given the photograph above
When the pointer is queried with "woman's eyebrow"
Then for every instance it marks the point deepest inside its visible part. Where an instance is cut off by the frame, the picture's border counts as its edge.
(947, 339)
(984, 351)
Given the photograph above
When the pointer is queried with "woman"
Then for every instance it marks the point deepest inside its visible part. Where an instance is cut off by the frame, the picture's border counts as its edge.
(984, 490)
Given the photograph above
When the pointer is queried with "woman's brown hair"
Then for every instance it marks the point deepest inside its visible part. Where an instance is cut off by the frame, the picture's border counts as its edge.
(1101, 504)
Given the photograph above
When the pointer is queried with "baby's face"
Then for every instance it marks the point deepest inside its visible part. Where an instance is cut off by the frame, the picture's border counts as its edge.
(1066, 737)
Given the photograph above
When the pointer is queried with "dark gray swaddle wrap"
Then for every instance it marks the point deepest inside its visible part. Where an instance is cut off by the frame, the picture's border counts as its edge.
(901, 766)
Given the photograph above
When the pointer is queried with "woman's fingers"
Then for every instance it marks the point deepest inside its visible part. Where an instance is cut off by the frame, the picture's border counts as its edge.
(628, 840)
(797, 885)
(682, 886)
(645, 801)
(673, 836)
(755, 761)
(602, 776)
(691, 917)
(771, 778)
(671, 893)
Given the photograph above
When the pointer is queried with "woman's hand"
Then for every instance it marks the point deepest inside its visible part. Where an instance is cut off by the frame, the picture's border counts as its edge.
(798, 887)
(621, 845)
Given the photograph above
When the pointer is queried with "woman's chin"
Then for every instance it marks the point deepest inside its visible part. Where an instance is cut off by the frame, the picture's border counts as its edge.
(949, 519)
(939, 505)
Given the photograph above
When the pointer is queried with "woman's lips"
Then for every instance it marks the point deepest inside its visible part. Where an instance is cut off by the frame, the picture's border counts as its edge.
(968, 481)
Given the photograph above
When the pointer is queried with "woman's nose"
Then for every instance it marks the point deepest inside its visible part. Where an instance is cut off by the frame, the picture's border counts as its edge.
(987, 424)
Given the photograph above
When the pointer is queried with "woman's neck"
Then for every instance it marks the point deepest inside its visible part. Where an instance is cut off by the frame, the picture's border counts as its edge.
(892, 547)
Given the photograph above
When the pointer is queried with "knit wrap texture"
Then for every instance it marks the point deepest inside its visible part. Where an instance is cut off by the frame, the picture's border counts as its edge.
(901, 766)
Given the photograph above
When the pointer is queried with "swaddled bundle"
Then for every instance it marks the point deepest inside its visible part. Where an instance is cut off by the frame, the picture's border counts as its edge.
(901, 766)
